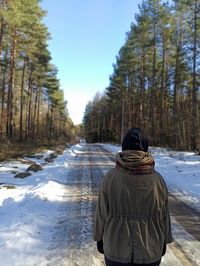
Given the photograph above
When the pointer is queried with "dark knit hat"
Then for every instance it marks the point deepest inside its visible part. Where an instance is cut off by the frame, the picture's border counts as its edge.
(135, 139)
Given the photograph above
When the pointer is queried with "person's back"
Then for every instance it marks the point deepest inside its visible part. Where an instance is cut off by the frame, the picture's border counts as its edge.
(132, 218)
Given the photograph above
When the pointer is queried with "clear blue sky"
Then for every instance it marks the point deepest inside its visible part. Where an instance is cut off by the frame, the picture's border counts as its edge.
(86, 37)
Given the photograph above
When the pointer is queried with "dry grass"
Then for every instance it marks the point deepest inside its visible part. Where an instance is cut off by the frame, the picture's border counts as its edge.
(15, 150)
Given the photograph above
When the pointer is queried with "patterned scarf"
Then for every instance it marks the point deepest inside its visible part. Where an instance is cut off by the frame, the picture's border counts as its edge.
(137, 162)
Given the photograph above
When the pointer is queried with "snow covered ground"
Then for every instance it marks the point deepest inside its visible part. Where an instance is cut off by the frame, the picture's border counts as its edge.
(26, 206)
(181, 171)
(36, 213)
(33, 209)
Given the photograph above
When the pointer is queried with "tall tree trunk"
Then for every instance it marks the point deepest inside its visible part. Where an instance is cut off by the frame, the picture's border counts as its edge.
(3, 93)
(153, 89)
(177, 123)
(30, 110)
(29, 104)
(142, 89)
(35, 113)
(2, 25)
(130, 101)
(38, 111)
(195, 122)
(163, 95)
(22, 103)
(51, 124)
(122, 119)
(11, 87)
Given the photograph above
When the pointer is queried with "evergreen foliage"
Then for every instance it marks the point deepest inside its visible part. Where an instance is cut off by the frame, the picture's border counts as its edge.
(32, 105)
(156, 79)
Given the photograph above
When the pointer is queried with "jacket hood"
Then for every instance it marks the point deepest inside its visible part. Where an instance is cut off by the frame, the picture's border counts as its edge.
(138, 162)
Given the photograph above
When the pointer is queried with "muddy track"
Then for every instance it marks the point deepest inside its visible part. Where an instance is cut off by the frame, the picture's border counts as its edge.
(185, 215)
(181, 256)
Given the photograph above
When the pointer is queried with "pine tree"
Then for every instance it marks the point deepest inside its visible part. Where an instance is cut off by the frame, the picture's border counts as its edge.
(155, 80)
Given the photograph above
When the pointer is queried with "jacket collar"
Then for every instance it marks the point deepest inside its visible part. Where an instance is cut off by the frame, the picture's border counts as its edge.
(137, 162)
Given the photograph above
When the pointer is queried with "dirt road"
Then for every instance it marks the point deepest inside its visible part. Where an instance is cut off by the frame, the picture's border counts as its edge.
(72, 237)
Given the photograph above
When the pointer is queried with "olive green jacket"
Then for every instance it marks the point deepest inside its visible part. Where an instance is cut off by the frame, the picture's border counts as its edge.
(132, 216)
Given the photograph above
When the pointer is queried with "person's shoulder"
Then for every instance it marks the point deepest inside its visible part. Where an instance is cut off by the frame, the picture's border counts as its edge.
(110, 172)
(158, 175)
(160, 178)
(110, 175)
(107, 178)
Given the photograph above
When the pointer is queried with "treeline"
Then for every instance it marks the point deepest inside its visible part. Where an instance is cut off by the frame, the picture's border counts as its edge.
(32, 106)
(156, 79)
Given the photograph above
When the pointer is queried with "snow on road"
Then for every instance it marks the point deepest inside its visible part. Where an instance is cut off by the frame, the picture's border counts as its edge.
(47, 217)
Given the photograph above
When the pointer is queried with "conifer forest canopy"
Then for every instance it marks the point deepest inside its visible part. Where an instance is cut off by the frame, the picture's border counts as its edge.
(32, 105)
(154, 85)
(156, 79)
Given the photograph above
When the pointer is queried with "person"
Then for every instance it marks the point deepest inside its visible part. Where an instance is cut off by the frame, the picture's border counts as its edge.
(132, 221)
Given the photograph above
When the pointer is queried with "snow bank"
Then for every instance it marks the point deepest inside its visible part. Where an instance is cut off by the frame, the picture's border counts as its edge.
(180, 171)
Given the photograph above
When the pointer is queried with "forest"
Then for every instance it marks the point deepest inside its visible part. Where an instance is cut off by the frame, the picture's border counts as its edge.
(155, 81)
(32, 105)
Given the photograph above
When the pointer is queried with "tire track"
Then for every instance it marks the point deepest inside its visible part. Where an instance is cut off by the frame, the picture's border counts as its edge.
(186, 216)
(180, 255)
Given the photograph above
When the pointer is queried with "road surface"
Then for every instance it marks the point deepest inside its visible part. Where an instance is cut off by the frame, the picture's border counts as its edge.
(72, 243)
